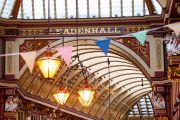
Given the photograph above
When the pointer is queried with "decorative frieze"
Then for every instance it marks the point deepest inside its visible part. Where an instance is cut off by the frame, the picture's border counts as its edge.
(133, 44)
(93, 30)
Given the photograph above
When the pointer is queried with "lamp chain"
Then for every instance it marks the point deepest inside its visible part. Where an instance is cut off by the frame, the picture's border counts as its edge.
(108, 61)
(55, 109)
(48, 16)
(77, 38)
(77, 31)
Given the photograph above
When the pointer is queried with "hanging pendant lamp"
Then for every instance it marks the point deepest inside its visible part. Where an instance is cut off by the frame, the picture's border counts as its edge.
(86, 95)
(61, 96)
(48, 65)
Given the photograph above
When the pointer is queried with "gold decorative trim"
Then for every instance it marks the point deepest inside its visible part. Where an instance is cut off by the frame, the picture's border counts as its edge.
(93, 30)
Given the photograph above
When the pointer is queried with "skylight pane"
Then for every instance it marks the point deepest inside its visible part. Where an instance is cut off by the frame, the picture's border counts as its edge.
(157, 6)
(82, 8)
(105, 10)
(93, 8)
(143, 104)
(52, 16)
(38, 9)
(138, 7)
(116, 8)
(60, 8)
(8, 8)
(142, 100)
(146, 10)
(1, 4)
(27, 9)
(131, 113)
(127, 7)
(52, 13)
(71, 8)
(135, 106)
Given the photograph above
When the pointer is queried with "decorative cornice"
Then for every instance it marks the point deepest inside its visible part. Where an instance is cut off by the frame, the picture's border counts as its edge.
(29, 28)
(134, 45)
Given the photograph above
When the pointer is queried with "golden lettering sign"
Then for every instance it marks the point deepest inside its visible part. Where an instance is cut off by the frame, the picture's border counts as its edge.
(95, 30)
(85, 30)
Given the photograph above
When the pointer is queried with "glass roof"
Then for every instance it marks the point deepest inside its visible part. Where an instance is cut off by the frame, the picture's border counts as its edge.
(59, 9)
(6, 7)
(124, 77)
(142, 108)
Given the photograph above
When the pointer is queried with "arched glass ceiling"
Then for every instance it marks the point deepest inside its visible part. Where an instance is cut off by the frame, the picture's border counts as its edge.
(59, 9)
(125, 81)
(143, 108)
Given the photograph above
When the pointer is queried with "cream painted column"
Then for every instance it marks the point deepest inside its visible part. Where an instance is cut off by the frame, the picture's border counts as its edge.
(159, 54)
(156, 56)
(17, 44)
(152, 51)
(159, 61)
(9, 60)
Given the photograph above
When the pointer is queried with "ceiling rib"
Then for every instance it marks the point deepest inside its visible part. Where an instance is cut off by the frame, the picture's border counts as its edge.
(132, 103)
(35, 71)
(105, 90)
(99, 84)
(121, 102)
(88, 66)
(102, 106)
(126, 90)
(111, 90)
(140, 112)
(150, 7)
(127, 95)
(15, 10)
(34, 76)
(139, 95)
(105, 74)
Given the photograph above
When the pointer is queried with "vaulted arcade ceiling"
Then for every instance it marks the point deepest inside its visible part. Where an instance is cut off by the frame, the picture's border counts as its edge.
(126, 72)
(125, 77)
